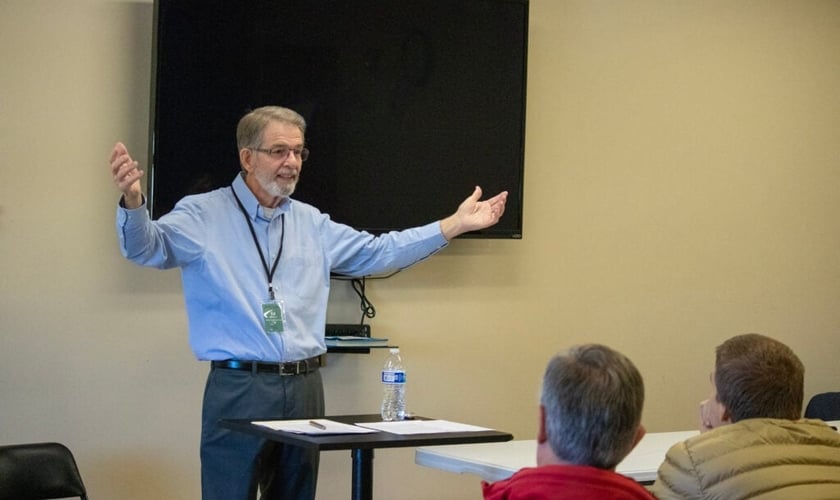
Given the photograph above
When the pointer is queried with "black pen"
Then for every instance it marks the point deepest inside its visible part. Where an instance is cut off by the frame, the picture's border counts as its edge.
(317, 425)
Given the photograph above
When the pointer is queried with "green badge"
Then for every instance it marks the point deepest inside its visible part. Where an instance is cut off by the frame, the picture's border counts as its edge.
(273, 317)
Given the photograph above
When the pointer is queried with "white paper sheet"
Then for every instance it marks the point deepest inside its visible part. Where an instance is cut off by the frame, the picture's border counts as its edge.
(421, 426)
(308, 426)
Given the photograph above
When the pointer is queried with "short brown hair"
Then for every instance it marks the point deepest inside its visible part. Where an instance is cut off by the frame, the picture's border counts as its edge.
(759, 377)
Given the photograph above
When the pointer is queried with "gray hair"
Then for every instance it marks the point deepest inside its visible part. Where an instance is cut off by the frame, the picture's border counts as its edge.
(593, 398)
(759, 377)
(251, 126)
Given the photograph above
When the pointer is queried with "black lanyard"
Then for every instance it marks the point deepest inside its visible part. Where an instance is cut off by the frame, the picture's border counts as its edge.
(268, 273)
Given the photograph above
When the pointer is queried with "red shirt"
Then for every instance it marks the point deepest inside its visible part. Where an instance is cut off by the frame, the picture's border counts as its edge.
(561, 482)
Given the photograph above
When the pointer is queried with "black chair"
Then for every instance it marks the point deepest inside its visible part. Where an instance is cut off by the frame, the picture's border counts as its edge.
(39, 471)
(825, 406)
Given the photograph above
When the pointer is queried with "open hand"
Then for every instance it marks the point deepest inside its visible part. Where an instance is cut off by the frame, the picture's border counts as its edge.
(126, 176)
(473, 214)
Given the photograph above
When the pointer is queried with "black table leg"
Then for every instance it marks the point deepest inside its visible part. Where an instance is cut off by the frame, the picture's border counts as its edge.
(362, 474)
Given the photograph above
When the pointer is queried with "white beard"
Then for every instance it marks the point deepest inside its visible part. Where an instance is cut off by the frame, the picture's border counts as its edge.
(274, 189)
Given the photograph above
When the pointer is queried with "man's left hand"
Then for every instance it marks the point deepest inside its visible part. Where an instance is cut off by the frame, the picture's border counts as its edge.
(473, 214)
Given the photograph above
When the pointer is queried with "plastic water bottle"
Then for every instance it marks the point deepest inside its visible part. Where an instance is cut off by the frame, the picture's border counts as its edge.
(393, 387)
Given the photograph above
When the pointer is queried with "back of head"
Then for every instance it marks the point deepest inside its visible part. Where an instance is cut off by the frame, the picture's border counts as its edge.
(759, 377)
(251, 126)
(593, 398)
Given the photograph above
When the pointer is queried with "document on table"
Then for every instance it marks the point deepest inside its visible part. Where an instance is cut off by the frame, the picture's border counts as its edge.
(421, 426)
(313, 426)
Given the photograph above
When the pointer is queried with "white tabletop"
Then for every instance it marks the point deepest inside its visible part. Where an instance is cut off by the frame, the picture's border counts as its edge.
(495, 461)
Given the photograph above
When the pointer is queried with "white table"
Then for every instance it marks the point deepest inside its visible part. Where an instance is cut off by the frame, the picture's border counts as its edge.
(495, 461)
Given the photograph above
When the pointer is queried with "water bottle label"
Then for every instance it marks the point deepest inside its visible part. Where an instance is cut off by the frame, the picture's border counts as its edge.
(393, 377)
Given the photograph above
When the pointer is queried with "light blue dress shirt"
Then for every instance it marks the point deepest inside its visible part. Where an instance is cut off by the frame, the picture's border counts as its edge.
(225, 283)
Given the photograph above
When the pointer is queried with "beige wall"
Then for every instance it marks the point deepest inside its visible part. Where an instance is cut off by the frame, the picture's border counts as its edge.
(683, 161)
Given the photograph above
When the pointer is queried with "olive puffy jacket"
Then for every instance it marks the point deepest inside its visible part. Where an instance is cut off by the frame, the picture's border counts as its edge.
(766, 459)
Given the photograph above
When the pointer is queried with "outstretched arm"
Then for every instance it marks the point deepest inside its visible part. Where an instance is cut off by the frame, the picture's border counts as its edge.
(473, 214)
(126, 176)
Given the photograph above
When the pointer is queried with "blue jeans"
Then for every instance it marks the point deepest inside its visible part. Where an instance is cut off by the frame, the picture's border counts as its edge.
(234, 464)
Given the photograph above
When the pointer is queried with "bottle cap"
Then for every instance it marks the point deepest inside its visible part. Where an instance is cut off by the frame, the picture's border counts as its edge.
(395, 350)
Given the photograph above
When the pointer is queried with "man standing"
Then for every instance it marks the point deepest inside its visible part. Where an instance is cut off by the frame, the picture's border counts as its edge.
(255, 266)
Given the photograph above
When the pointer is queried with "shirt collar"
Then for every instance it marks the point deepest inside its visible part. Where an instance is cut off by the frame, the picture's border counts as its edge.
(249, 201)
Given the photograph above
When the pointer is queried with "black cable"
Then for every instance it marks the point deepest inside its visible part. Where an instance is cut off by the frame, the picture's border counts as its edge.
(358, 284)
(368, 311)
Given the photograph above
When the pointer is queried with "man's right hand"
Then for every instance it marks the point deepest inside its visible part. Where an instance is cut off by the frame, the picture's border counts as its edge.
(712, 414)
(126, 176)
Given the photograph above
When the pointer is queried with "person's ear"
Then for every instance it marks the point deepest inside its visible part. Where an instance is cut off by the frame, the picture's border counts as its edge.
(245, 157)
(542, 436)
(640, 433)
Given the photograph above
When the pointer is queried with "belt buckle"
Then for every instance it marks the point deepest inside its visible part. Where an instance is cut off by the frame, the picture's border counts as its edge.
(289, 368)
(300, 367)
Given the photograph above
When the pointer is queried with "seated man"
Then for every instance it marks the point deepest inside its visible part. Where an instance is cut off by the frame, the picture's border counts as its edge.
(756, 446)
(590, 419)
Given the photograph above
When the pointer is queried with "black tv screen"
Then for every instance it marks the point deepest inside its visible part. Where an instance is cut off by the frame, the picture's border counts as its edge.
(409, 103)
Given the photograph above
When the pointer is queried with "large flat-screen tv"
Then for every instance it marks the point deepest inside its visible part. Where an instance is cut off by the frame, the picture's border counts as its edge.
(409, 103)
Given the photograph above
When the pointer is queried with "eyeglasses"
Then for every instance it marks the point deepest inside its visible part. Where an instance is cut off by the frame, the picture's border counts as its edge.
(282, 152)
